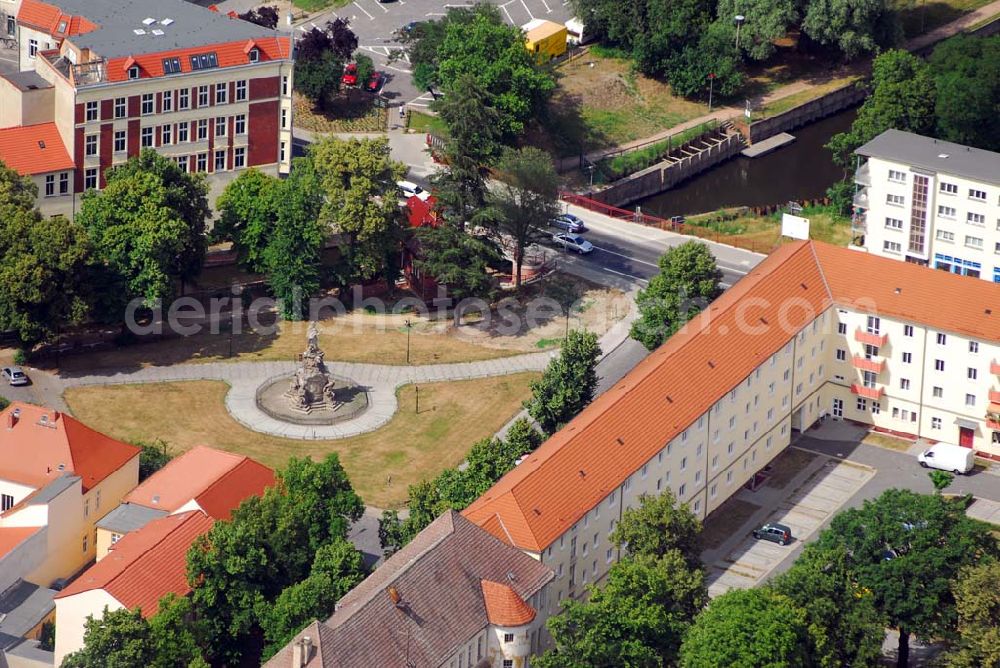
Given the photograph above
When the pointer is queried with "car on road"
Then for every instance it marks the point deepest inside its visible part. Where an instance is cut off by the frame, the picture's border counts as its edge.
(350, 76)
(573, 242)
(410, 189)
(409, 28)
(376, 82)
(774, 532)
(569, 223)
(15, 375)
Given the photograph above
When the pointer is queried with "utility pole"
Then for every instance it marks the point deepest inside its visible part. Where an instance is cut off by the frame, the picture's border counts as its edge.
(739, 19)
(711, 81)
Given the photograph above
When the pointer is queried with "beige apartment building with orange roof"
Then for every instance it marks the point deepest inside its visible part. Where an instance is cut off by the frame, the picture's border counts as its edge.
(813, 331)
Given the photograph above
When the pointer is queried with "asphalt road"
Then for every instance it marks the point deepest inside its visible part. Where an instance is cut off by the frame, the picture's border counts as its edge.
(376, 22)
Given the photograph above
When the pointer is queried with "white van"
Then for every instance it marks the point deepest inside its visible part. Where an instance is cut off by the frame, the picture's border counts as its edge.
(946, 457)
(409, 189)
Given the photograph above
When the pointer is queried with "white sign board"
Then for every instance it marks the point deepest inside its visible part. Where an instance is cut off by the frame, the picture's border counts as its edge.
(795, 227)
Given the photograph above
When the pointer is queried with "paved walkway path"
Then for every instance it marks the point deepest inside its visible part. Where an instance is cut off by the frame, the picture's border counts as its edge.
(380, 381)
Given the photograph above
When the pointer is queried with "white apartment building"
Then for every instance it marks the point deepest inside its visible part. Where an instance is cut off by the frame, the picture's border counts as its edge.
(930, 202)
(813, 330)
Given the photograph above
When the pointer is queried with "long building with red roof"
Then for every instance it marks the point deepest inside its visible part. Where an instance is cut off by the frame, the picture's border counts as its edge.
(208, 90)
(813, 331)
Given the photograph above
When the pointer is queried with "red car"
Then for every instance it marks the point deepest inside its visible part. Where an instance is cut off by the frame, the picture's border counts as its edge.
(376, 82)
(350, 77)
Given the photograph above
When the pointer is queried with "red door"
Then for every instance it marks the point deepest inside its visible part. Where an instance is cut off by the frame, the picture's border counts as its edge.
(965, 437)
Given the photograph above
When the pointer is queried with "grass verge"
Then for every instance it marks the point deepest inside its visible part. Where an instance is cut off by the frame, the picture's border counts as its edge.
(762, 234)
(783, 104)
(612, 169)
(316, 5)
(351, 112)
(887, 442)
(381, 464)
(418, 121)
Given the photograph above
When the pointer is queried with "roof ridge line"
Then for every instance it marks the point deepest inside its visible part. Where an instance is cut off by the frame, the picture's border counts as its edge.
(822, 272)
(653, 367)
(504, 526)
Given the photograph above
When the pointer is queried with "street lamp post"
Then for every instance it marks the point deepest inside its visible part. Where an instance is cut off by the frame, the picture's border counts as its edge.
(739, 19)
(409, 326)
(711, 81)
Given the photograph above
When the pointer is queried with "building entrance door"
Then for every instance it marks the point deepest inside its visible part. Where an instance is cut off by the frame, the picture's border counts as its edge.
(838, 409)
(966, 437)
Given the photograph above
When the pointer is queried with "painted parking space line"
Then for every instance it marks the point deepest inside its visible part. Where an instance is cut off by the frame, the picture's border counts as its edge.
(364, 11)
(525, 5)
(548, 10)
(381, 6)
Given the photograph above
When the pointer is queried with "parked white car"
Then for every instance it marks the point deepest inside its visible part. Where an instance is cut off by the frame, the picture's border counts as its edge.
(947, 457)
(409, 189)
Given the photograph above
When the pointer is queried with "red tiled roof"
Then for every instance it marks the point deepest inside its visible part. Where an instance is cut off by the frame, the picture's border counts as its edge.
(217, 481)
(11, 537)
(229, 54)
(21, 149)
(146, 564)
(32, 450)
(626, 426)
(46, 17)
(503, 606)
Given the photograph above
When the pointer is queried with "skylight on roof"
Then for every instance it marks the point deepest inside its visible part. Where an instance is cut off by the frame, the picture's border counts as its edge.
(148, 21)
(166, 22)
(139, 31)
(157, 32)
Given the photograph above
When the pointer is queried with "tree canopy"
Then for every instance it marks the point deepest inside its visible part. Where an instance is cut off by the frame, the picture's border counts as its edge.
(657, 526)
(320, 57)
(458, 260)
(247, 213)
(977, 600)
(907, 549)
(747, 628)
(689, 281)
(853, 27)
(568, 383)
(966, 72)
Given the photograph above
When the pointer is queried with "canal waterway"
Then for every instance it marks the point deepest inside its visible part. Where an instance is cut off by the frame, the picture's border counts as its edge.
(798, 171)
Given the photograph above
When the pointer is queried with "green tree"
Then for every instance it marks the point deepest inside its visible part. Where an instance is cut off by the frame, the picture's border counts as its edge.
(902, 97)
(458, 260)
(154, 456)
(907, 549)
(477, 43)
(636, 620)
(17, 193)
(365, 68)
(853, 27)
(658, 525)
(247, 213)
(176, 634)
(319, 78)
(147, 225)
(525, 199)
(568, 383)
(977, 599)
(845, 629)
(966, 73)
(766, 21)
(337, 569)
(689, 281)
(240, 567)
(293, 254)
(940, 479)
(44, 269)
(117, 639)
(358, 180)
(713, 53)
(747, 628)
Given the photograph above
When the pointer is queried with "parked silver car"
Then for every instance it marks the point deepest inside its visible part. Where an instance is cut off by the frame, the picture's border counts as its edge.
(573, 242)
(15, 375)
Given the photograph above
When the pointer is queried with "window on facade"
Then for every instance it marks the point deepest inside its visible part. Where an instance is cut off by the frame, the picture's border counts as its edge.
(182, 162)
(508, 637)
(729, 477)
(120, 107)
(240, 124)
(90, 145)
(168, 100)
(946, 211)
(284, 118)
(6, 502)
(121, 141)
(715, 462)
(935, 423)
(202, 163)
(90, 178)
(508, 663)
(284, 84)
(146, 137)
(204, 61)
(975, 219)
(970, 400)
(281, 152)
(183, 98)
(893, 224)
(904, 383)
(91, 111)
(63, 183)
(945, 235)
(973, 346)
(876, 407)
(32, 48)
(171, 65)
(239, 157)
(894, 200)
(166, 137)
(202, 96)
(680, 491)
(897, 176)
(86, 543)
(147, 104)
(892, 246)
(974, 242)
(841, 354)
(203, 129)
(254, 55)
(50, 185)
(972, 373)
(907, 330)
(977, 194)
(938, 392)
(939, 365)
(841, 328)
(220, 161)
(220, 126)
(241, 90)
(862, 404)
(221, 92)
(942, 339)
(948, 188)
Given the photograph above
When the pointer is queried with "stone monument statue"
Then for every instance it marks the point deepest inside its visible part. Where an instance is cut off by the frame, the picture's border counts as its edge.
(311, 386)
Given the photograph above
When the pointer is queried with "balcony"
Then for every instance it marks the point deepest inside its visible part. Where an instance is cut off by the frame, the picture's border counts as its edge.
(867, 392)
(995, 396)
(861, 199)
(995, 368)
(993, 421)
(867, 364)
(863, 177)
(871, 338)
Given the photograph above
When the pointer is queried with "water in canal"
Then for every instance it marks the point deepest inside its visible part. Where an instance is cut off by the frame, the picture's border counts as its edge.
(800, 170)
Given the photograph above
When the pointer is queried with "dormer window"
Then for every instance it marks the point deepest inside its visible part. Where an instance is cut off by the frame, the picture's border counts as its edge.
(254, 55)
(133, 72)
(62, 27)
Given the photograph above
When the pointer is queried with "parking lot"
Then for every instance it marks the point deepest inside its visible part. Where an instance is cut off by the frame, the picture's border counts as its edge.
(375, 24)
(805, 491)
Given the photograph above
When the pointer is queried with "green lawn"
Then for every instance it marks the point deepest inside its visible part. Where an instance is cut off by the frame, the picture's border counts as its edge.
(921, 17)
(421, 122)
(316, 5)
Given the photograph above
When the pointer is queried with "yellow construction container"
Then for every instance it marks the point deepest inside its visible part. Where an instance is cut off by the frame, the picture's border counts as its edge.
(545, 39)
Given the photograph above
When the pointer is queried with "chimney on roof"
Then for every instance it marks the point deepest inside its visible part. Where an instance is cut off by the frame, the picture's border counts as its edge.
(301, 652)
(13, 418)
(394, 595)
